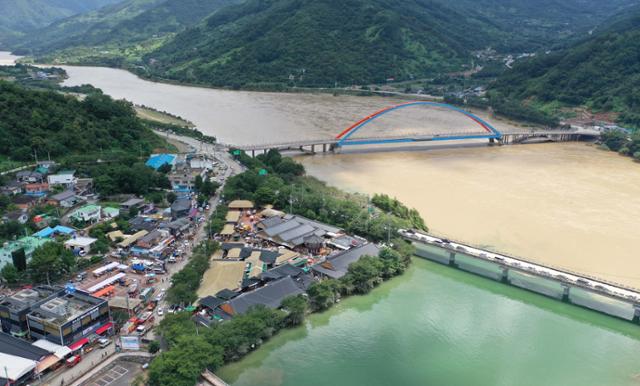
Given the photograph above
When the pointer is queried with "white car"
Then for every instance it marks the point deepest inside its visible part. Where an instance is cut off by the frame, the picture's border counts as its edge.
(160, 311)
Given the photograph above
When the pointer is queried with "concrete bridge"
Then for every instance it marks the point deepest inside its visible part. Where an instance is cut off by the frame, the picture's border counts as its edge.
(486, 132)
(516, 136)
(571, 287)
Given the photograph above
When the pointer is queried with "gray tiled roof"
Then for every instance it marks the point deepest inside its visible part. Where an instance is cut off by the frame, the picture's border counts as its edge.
(340, 262)
(270, 295)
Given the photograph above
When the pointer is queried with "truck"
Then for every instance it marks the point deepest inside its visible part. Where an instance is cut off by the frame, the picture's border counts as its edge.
(81, 276)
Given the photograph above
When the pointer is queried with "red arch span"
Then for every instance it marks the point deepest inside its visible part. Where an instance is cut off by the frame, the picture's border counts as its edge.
(345, 134)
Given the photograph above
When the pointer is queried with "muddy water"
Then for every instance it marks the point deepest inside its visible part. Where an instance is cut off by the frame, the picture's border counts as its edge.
(239, 117)
(569, 205)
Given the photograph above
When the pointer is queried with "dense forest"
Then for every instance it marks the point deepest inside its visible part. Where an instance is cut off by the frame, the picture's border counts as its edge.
(20, 16)
(118, 28)
(602, 73)
(317, 43)
(53, 124)
(270, 44)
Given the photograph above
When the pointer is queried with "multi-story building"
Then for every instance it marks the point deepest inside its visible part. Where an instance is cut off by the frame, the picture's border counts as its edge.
(55, 314)
(14, 309)
(68, 318)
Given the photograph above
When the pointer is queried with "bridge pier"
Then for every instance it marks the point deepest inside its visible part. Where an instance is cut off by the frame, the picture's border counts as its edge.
(324, 147)
(636, 314)
(566, 292)
(504, 276)
(253, 154)
(313, 149)
(452, 260)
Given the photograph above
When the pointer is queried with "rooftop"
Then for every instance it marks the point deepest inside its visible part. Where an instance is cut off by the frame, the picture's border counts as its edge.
(80, 241)
(241, 204)
(336, 266)
(270, 296)
(157, 160)
(67, 194)
(65, 307)
(18, 347)
(25, 298)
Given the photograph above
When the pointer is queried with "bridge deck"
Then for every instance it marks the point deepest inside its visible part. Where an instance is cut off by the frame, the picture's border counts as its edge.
(603, 287)
(410, 138)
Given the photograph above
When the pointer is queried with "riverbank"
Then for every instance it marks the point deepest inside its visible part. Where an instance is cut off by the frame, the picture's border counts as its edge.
(423, 328)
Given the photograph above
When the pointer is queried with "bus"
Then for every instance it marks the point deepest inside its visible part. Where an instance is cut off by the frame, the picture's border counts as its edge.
(146, 293)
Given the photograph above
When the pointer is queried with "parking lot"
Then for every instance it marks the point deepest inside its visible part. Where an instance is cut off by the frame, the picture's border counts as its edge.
(119, 373)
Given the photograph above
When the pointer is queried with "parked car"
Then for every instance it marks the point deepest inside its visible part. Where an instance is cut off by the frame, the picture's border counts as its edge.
(160, 311)
(104, 342)
(74, 360)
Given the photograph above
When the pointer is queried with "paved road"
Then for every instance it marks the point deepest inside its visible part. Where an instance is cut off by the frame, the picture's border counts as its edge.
(89, 361)
(89, 364)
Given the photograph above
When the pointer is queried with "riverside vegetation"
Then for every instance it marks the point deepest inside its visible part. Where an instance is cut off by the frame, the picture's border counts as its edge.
(272, 179)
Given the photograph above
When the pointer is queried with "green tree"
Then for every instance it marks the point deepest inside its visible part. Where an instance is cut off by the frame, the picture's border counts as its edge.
(296, 309)
(323, 295)
(50, 261)
(154, 347)
(264, 195)
(10, 274)
(185, 362)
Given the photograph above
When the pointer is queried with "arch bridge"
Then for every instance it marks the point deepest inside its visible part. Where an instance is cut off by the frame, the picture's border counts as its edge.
(485, 132)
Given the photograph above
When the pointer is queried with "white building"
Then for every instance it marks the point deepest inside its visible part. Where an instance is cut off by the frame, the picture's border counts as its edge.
(65, 178)
(80, 244)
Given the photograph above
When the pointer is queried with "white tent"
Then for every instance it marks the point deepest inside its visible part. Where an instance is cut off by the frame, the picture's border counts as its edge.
(15, 367)
(55, 349)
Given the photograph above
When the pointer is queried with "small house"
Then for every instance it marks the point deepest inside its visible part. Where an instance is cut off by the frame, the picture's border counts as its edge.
(65, 178)
(88, 214)
(131, 203)
(80, 245)
(16, 215)
(26, 202)
(65, 199)
(180, 208)
(30, 177)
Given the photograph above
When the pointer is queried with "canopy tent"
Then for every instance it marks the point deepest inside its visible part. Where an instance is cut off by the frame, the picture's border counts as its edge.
(56, 349)
(46, 363)
(75, 346)
(104, 328)
(16, 367)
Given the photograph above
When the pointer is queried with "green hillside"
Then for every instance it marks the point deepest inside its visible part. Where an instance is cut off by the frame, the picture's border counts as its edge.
(542, 23)
(116, 32)
(19, 16)
(602, 73)
(319, 42)
(62, 126)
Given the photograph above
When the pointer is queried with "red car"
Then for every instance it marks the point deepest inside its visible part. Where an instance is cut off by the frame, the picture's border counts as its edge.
(74, 360)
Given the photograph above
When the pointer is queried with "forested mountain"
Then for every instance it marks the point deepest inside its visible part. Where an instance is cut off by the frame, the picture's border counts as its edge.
(319, 42)
(540, 23)
(51, 123)
(124, 24)
(18, 16)
(601, 72)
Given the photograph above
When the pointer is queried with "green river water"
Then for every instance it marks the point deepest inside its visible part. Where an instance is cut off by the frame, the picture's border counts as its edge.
(439, 326)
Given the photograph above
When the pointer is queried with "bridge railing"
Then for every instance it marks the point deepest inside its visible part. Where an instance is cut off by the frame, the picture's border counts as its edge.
(543, 265)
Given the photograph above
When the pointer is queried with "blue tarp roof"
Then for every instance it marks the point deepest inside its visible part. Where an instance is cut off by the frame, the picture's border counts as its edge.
(43, 233)
(63, 229)
(157, 160)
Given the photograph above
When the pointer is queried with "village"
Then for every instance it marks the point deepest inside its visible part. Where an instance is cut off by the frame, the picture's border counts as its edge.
(128, 251)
